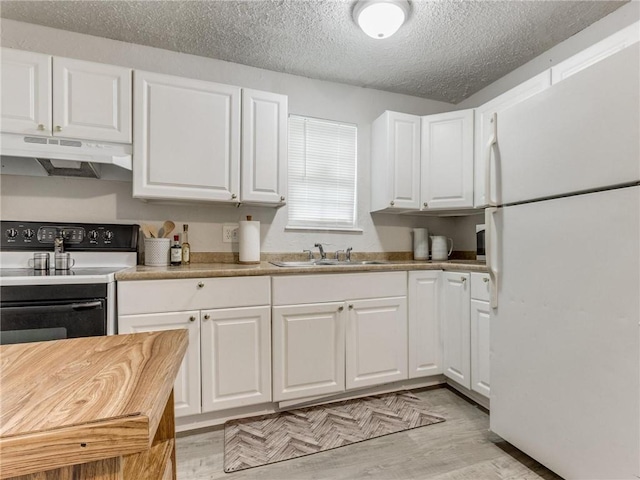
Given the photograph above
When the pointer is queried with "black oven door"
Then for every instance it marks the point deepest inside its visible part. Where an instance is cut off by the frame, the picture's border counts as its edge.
(40, 319)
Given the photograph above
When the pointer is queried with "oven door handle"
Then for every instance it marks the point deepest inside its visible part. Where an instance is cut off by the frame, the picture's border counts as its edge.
(68, 307)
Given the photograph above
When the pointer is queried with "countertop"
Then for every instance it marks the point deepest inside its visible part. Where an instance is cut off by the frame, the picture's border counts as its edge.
(203, 270)
(81, 400)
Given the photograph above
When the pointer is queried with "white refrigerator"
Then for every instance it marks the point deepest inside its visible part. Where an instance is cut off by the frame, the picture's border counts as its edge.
(563, 251)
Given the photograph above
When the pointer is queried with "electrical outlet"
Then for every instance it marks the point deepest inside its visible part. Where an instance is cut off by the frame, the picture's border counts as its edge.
(230, 232)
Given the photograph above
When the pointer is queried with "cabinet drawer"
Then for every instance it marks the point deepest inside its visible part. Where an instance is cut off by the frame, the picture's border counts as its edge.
(301, 289)
(151, 296)
(480, 286)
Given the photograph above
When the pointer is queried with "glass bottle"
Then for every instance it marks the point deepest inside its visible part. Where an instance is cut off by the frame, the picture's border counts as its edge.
(186, 248)
(176, 251)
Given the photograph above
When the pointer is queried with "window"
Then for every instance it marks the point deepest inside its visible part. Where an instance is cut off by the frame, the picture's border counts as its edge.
(322, 174)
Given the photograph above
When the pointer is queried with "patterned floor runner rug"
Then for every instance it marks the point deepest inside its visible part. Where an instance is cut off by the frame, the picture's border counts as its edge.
(255, 441)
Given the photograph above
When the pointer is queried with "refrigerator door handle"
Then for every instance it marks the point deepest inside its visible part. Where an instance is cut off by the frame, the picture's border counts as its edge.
(490, 239)
(487, 161)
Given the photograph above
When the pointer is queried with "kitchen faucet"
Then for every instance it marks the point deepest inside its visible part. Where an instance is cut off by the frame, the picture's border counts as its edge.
(323, 255)
(348, 254)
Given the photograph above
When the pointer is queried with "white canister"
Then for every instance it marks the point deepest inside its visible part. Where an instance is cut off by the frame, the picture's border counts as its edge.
(249, 241)
(420, 244)
(156, 252)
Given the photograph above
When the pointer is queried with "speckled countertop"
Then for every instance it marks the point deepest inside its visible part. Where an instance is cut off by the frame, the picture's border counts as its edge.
(201, 270)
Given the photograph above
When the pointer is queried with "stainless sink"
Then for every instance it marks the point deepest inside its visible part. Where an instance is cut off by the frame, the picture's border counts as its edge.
(326, 262)
(304, 263)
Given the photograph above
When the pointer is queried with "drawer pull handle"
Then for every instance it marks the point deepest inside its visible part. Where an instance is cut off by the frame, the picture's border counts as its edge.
(463, 279)
(392, 203)
(485, 280)
(58, 128)
(40, 126)
(350, 307)
(200, 285)
(207, 316)
(192, 318)
(340, 309)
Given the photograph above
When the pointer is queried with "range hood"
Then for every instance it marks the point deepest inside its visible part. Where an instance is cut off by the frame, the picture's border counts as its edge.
(55, 156)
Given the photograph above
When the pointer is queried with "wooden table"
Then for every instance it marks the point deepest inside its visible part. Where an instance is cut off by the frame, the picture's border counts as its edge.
(90, 408)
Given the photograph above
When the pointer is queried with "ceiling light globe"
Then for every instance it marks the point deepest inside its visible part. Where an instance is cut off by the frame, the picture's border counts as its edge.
(380, 19)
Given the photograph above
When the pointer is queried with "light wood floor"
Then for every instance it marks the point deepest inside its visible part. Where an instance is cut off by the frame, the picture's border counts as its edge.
(462, 448)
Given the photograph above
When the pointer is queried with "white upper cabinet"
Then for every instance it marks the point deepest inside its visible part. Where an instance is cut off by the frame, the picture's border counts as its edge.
(395, 157)
(484, 129)
(26, 92)
(599, 51)
(91, 100)
(186, 139)
(72, 98)
(447, 160)
(264, 147)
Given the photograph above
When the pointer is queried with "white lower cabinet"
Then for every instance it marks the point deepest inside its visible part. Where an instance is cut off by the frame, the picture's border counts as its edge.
(456, 296)
(466, 327)
(228, 361)
(186, 390)
(480, 360)
(308, 350)
(376, 341)
(236, 357)
(327, 343)
(425, 336)
(480, 333)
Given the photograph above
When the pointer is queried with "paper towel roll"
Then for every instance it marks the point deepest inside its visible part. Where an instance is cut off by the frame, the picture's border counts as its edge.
(249, 241)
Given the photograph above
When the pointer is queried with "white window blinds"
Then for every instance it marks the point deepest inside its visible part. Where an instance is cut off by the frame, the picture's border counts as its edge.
(322, 174)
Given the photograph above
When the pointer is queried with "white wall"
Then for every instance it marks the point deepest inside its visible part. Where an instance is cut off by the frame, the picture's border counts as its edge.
(617, 20)
(62, 199)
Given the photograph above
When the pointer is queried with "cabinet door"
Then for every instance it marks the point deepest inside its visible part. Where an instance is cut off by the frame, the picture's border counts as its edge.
(91, 100)
(484, 128)
(480, 351)
(236, 357)
(186, 390)
(308, 350)
(395, 157)
(447, 160)
(376, 341)
(425, 339)
(264, 147)
(456, 327)
(595, 53)
(186, 139)
(26, 92)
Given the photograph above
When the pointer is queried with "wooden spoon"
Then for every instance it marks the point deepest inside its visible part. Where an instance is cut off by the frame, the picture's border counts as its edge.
(167, 228)
(148, 231)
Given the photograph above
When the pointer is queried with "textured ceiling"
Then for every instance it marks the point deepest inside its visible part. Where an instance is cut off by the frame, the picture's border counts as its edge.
(446, 51)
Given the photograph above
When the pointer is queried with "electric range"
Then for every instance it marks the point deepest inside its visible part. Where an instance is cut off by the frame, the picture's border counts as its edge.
(37, 305)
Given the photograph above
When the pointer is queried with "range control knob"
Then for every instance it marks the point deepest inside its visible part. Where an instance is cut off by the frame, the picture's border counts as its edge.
(12, 233)
(108, 235)
(93, 235)
(28, 233)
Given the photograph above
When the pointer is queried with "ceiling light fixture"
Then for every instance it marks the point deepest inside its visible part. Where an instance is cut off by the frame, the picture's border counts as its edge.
(380, 18)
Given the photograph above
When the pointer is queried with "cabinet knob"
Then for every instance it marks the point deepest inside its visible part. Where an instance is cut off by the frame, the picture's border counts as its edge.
(233, 195)
(58, 128)
(463, 279)
(350, 307)
(340, 309)
(485, 280)
(392, 203)
(200, 285)
(40, 126)
(207, 316)
(425, 204)
(282, 198)
(192, 318)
